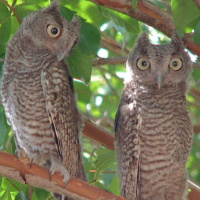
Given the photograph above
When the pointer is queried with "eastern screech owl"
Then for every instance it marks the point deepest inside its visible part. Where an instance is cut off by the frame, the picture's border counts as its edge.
(38, 92)
(153, 127)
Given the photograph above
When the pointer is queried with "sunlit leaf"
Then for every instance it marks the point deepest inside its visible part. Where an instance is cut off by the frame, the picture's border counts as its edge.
(80, 65)
(26, 8)
(21, 196)
(83, 91)
(129, 23)
(6, 195)
(105, 160)
(184, 12)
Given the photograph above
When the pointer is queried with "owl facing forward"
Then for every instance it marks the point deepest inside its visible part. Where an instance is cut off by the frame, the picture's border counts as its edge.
(38, 92)
(153, 127)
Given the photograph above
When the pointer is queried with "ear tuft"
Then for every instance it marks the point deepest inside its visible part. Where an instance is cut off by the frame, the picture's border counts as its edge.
(177, 42)
(143, 42)
(54, 6)
(143, 39)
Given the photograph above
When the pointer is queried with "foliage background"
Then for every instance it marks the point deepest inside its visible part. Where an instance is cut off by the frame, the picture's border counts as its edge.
(105, 33)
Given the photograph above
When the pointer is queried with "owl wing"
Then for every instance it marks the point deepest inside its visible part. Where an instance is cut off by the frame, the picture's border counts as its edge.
(7, 82)
(127, 127)
(61, 107)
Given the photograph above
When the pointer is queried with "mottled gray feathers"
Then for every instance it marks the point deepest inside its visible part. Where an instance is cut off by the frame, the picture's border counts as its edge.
(153, 127)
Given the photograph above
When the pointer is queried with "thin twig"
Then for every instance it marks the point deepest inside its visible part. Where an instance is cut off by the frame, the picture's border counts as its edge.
(13, 3)
(13, 10)
(13, 185)
(110, 61)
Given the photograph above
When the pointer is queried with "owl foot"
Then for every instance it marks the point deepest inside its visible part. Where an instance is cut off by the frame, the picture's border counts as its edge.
(62, 170)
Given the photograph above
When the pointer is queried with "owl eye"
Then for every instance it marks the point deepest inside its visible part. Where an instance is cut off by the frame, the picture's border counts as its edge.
(175, 64)
(143, 64)
(53, 31)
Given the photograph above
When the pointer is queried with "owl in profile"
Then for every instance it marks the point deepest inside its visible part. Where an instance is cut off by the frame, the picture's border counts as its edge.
(153, 127)
(38, 92)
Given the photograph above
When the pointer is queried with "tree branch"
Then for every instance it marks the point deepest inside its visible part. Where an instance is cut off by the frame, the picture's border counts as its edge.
(12, 9)
(98, 134)
(36, 176)
(110, 61)
(151, 15)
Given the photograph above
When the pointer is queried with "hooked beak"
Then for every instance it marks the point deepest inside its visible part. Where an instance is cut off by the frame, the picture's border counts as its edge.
(60, 56)
(159, 80)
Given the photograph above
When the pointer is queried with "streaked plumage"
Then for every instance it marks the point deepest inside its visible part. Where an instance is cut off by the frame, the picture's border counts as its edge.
(153, 127)
(38, 92)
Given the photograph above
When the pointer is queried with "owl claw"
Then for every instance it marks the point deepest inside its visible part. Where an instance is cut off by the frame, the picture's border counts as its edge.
(62, 170)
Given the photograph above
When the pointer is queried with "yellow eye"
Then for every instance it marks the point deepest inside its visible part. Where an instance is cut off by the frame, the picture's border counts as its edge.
(175, 64)
(53, 31)
(143, 64)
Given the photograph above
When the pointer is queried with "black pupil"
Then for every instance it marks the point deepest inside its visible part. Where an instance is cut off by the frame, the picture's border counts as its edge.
(54, 31)
(144, 63)
(175, 64)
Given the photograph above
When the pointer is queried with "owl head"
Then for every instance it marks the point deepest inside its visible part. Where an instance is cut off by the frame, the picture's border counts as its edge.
(158, 66)
(47, 29)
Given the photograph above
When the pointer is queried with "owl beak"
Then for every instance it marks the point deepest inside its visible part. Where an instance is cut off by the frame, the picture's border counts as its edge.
(60, 56)
(159, 80)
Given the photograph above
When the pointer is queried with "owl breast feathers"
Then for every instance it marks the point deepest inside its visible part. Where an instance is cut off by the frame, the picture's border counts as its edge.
(38, 92)
(153, 127)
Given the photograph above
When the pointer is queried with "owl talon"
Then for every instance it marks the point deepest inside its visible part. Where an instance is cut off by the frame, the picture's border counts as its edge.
(62, 170)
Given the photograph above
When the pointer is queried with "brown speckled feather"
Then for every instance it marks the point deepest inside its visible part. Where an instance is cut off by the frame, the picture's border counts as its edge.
(153, 127)
(38, 93)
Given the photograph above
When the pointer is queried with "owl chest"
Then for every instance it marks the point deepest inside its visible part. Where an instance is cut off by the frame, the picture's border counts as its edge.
(27, 87)
(26, 98)
(158, 130)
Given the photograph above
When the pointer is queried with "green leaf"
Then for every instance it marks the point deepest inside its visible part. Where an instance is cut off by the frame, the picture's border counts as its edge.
(5, 27)
(123, 20)
(80, 61)
(3, 124)
(41, 194)
(80, 65)
(83, 92)
(67, 13)
(196, 74)
(14, 25)
(21, 196)
(115, 186)
(89, 39)
(196, 35)
(184, 12)
(105, 159)
(25, 8)
(89, 35)
(134, 3)
(90, 11)
(6, 195)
